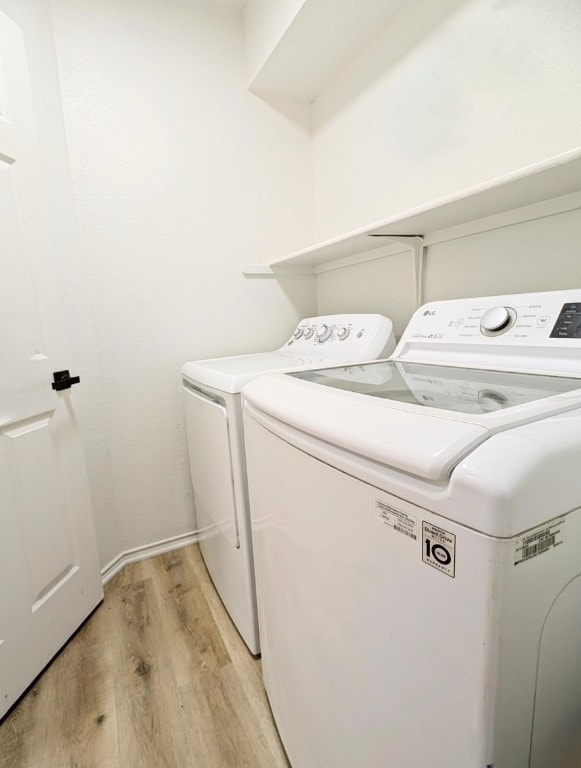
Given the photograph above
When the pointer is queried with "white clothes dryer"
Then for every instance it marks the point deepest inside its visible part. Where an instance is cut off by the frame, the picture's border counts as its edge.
(417, 533)
(213, 417)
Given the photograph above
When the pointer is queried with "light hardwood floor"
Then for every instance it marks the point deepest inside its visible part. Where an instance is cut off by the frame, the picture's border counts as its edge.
(157, 678)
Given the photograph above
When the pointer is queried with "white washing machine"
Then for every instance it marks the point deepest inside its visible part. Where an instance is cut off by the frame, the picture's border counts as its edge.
(417, 535)
(216, 447)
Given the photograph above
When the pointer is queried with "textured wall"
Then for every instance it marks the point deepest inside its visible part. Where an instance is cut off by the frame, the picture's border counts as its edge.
(384, 286)
(541, 255)
(180, 177)
(426, 111)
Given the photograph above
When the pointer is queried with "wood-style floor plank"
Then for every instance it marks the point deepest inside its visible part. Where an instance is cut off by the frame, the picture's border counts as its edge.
(157, 678)
(248, 668)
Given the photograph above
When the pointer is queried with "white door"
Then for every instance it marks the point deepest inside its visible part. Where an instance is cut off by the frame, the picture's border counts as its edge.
(49, 571)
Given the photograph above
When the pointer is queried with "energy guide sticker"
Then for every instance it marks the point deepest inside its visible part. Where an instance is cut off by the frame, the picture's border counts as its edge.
(402, 522)
(539, 540)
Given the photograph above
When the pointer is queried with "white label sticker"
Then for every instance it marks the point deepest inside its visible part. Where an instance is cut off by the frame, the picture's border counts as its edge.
(439, 549)
(402, 522)
(539, 540)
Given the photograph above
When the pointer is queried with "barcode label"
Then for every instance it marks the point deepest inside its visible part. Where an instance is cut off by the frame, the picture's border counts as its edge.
(406, 533)
(400, 521)
(539, 541)
(535, 549)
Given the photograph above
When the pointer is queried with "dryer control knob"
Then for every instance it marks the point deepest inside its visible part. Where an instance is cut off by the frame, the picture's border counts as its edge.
(495, 320)
(324, 332)
(343, 332)
(307, 333)
(298, 333)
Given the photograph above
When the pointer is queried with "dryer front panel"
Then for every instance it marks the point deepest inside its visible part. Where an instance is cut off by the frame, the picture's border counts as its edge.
(209, 448)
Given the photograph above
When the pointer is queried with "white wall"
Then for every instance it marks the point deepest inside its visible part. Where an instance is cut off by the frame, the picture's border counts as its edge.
(488, 86)
(541, 255)
(180, 177)
(384, 285)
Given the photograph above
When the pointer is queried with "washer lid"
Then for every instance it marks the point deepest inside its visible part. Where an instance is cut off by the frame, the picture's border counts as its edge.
(230, 374)
(421, 419)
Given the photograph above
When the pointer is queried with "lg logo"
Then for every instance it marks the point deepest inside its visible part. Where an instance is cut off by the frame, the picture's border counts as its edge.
(429, 312)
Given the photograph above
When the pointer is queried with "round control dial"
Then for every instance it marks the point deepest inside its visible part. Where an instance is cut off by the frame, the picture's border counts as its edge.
(307, 333)
(490, 400)
(497, 320)
(324, 332)
(343, 332)
(298, 333)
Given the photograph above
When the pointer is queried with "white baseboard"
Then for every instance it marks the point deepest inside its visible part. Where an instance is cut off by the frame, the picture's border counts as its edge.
(147, 550)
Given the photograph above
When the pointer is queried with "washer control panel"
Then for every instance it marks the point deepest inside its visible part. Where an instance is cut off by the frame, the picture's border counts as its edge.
(568, 325)
(534, 318)
(361, 337)
(495, 330)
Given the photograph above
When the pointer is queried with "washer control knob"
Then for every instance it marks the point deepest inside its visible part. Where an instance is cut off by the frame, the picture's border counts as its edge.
(298, 333)
(490, 400)
(324, 332)
(343, 332)
(307, 333)
(495, 320)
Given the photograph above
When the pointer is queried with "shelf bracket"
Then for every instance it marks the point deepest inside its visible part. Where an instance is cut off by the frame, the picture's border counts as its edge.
(417, 248)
